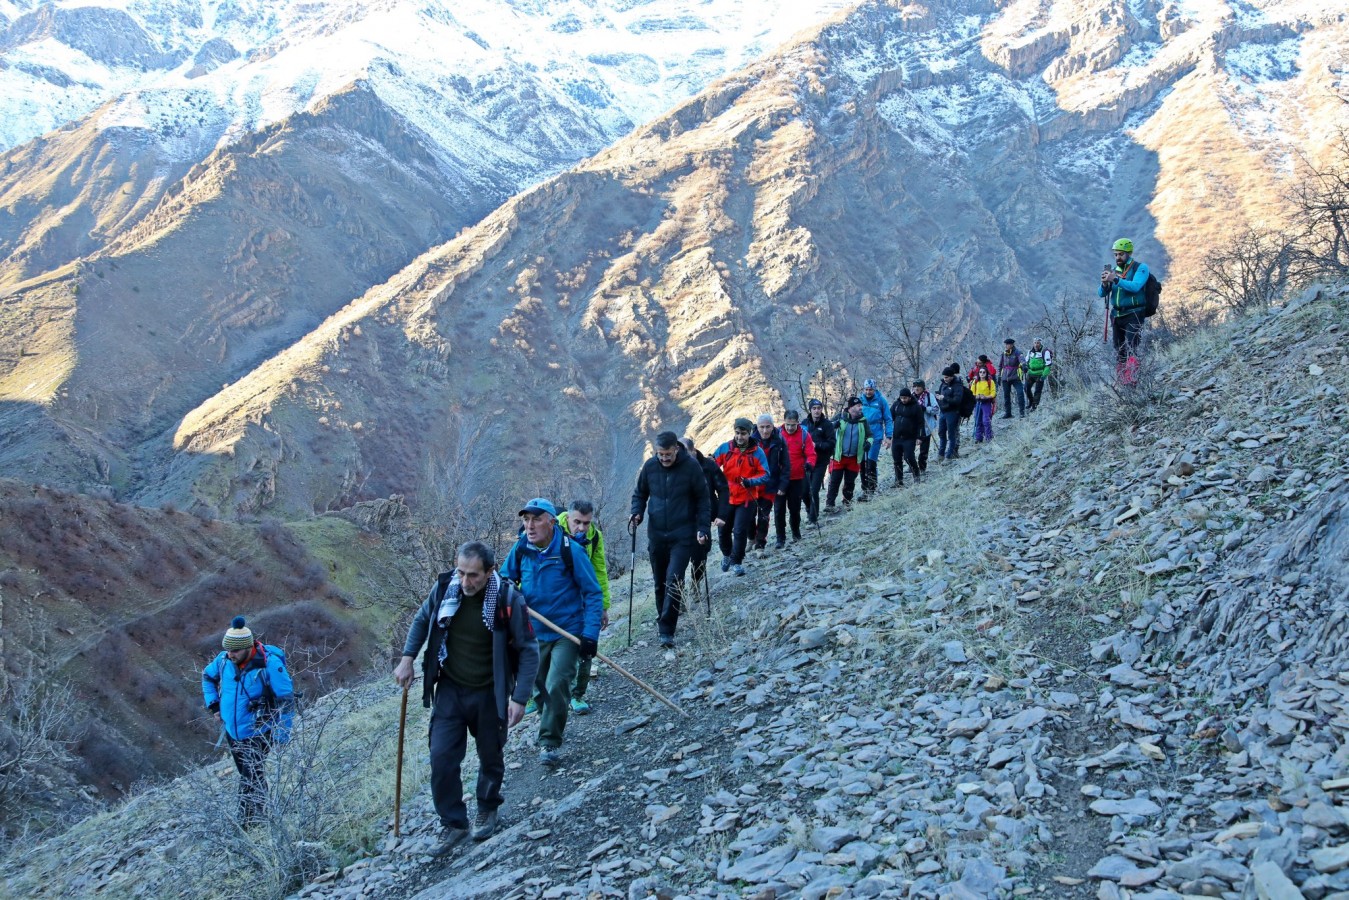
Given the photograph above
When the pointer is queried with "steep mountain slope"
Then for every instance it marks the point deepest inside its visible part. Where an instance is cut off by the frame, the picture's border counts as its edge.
(1110, 664)
(762, 233)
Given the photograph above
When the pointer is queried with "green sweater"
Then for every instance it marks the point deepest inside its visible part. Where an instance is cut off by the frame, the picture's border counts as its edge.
(594, 544)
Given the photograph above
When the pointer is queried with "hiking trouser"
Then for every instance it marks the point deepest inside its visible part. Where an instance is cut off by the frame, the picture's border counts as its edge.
(948, 435)
(789, 502)
(733, 536)
(250, 754)
(817, 476)
(870, 478)
(669, 563)
(1007, 388)
(1034, 388)
(842, 471)
(924, 445)
(557, 670)
(1126, 331)
(456, 713)
(983, 421)
(763, 512)
(901, 449)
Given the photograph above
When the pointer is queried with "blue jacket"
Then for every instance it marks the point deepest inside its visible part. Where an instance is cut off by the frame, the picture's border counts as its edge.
(1127, 295)
(241, 696)
(574, 602)
(879, 422)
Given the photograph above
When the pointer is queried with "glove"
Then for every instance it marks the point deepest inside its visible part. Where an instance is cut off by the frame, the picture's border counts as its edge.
(214, 707)
(589, 647)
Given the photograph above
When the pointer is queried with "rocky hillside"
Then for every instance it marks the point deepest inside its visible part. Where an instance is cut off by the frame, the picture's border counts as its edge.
(112, 610)
(1102, 656)
(764, 235)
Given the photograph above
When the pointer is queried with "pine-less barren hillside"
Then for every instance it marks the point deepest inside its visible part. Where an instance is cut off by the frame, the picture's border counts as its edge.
(899, 159)
(113, 609)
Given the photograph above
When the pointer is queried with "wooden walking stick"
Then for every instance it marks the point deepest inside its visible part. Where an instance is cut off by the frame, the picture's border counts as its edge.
(613, 665)
(398, 777)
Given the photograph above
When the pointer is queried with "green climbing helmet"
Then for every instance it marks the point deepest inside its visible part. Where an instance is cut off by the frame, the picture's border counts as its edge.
(1123, 244)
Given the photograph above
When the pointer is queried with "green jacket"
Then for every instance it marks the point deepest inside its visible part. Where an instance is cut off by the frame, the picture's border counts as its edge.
(863, 437)
(594, 544)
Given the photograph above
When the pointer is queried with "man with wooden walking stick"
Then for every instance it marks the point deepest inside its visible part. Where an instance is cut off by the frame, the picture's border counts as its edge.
(478, 671)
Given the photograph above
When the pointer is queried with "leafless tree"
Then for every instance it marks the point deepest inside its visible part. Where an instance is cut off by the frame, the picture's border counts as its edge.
(1321, 202)
(1254, 270)
(910, 334)
(1073, 326)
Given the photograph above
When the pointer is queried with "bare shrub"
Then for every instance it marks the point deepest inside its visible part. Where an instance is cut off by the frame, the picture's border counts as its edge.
(1073, 327)
(38, 730)
(1122, 407)
(1254, 270)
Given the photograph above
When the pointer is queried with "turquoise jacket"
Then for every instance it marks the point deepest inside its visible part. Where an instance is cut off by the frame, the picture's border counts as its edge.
(247, 708)
(1127, 295)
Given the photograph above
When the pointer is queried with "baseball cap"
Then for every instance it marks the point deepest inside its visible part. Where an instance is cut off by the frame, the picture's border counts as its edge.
(539, 505)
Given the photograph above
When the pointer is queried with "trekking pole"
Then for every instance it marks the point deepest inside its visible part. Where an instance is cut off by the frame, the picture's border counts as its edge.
(632, 573)
(398, 777)
(609, 662)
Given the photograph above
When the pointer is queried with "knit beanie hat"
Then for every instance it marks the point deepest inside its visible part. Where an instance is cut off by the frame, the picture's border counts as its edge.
(744, 424)
(238, 636)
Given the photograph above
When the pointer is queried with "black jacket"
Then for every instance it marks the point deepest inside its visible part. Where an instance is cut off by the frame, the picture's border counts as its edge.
(718, 490)
(823, 434)
(779, 463)
(908, 420)
(950, 395)
(674, 500)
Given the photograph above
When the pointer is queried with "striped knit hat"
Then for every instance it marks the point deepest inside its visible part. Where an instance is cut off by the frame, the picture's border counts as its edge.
(238, 636)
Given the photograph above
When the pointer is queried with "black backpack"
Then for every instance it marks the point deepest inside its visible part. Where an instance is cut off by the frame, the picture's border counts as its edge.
(966, 402)
(1152, 294)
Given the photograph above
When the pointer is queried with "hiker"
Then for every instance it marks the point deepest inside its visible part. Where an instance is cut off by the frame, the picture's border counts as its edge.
(671, 494)
(746, 471)
(821, 432)
(881, 427)
(779, 473)
(249, 692)
(579, 523)
(719, 498)
(850, 451)
(985, 363)
(950, 395)
(1039, 362)
(931, 414)
(477, 672)
(1126, 304)
(985, 395)
(909, 423)
(559, 583)
(800, 463)
(1011, 366)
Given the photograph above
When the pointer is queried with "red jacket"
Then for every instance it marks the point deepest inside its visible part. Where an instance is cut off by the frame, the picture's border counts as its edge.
(746, 470)
(800, 450)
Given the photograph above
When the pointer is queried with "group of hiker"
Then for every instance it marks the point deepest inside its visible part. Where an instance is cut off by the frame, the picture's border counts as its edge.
(485, 666)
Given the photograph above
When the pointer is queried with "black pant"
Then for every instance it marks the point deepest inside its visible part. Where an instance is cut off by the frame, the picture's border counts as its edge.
(948, 435)
(846, 477)
(250, 754)
(763, 512)
(817, 476)
(735, 534)
(1007, 388)
(669, 562)
(1126, 331)
(924, 444)
(902, 450)
(1035, 386)
(789, 502)
(456, 713)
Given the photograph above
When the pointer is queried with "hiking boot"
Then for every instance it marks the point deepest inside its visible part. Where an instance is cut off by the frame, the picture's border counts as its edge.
(862, 497)
(485, 825)
(796, 537)
(725, 564)
(738, 569)
(831, 510)
(450, 837)
(578, 706)
(781, 544)
(667, 640)
(550, 757)
(954, 456)
(532, 706)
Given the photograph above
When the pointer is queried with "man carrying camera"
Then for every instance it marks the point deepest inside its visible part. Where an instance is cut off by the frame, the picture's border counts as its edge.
(1126, 303)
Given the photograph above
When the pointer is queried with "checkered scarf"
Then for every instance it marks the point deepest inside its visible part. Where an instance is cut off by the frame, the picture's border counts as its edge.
(450, 605)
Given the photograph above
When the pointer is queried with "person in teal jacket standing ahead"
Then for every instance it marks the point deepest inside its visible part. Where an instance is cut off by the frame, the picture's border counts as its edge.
(250, 693)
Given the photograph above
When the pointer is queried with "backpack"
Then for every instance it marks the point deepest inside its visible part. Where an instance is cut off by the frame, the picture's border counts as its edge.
(1152, 295)
(966, 402)
(567, 562)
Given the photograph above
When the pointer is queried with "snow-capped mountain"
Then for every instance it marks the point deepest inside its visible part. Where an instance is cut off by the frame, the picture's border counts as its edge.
(202, 74)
